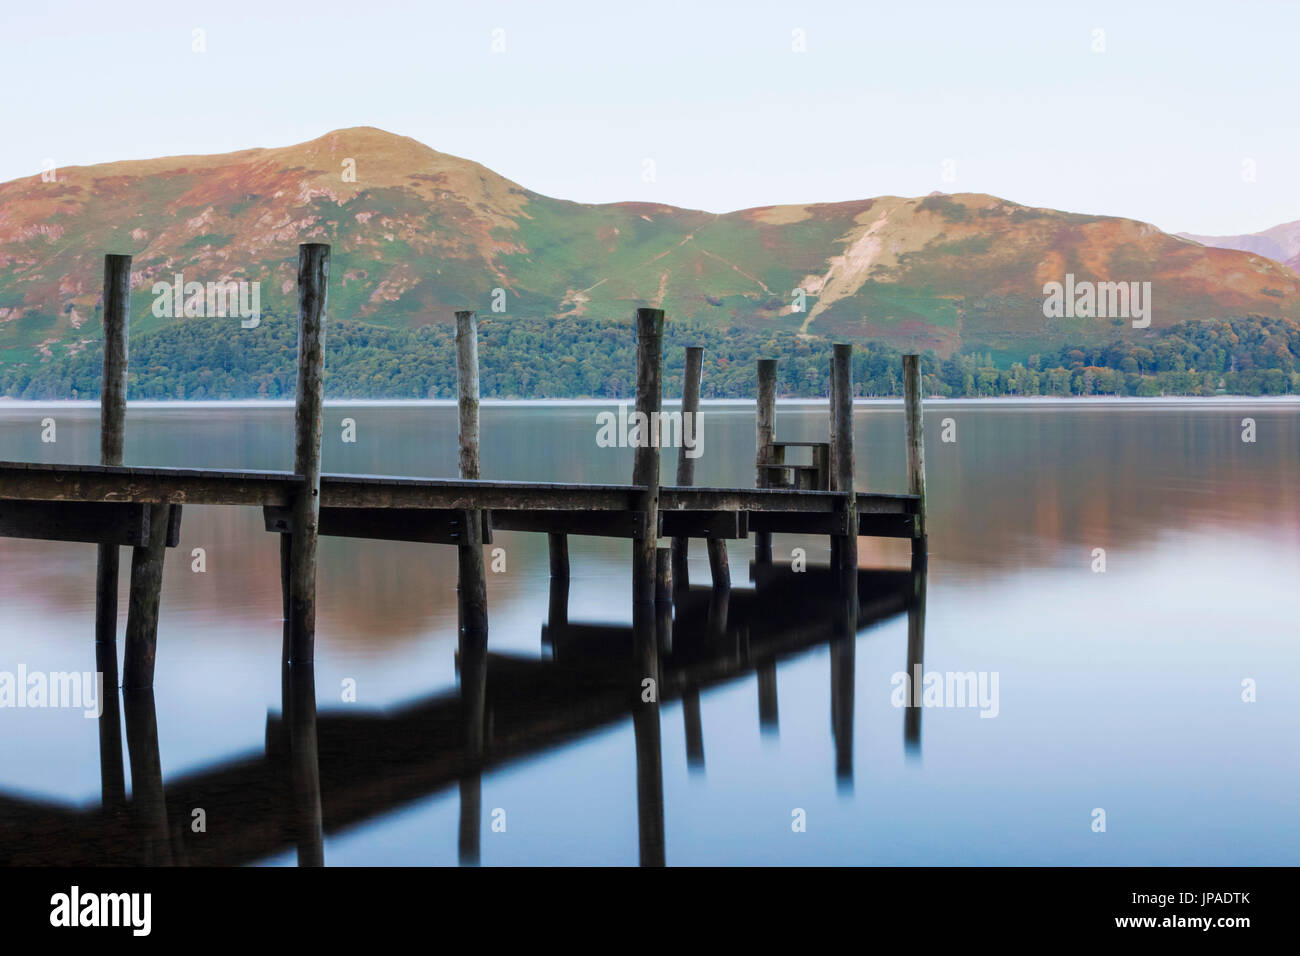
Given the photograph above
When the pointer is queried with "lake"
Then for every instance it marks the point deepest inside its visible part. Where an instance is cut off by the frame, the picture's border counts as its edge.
(1158, 687)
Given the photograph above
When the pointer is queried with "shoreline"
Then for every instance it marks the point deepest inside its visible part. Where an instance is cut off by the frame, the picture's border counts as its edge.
(1036, 400)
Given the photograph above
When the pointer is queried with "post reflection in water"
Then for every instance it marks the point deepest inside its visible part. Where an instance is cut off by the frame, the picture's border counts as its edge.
(148, 805)
(915, 657)
(472, 665)
(298, 702)
(322, 773)
(112, 786)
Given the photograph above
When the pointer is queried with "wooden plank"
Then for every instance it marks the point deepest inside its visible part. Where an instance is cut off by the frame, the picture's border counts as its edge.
(423, 525)
(372, 492)
(787, 522)
(442, 526)
(715, 525)
(886, 525)
(44, 482)
(113, 525)
(601, 524)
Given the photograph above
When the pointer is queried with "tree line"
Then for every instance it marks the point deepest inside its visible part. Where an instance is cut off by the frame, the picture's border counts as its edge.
(213, 358)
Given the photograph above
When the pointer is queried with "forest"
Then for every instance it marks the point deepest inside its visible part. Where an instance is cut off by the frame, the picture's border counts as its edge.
(595, 358)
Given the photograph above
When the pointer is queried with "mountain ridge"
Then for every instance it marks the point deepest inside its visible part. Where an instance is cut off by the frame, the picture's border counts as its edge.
(420, 233)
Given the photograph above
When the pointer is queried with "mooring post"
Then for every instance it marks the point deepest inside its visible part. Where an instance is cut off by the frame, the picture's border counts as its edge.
(764, 427)
(472, 577)
(915, 446)
(645, 562)
(645, 465)
(557, 545)
(845, 550)
(143, 602)
(717, 547)
(842, 464)
(112, 431)
(313, 294)
(686, 463)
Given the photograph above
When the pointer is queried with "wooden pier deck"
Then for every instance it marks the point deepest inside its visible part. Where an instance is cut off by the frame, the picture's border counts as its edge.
(422, 509)
(114, 504)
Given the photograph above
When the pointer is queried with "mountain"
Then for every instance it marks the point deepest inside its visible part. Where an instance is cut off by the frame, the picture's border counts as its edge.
(420, 233)
(1281, 243)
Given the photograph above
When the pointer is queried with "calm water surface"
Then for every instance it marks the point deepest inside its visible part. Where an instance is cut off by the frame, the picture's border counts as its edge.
(1119, 690)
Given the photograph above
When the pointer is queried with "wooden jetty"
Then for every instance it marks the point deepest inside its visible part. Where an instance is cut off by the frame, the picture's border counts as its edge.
(113, 504)
(321, 774)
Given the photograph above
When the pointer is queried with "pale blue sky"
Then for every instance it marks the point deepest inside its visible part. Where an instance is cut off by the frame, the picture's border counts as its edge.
(1156, 127)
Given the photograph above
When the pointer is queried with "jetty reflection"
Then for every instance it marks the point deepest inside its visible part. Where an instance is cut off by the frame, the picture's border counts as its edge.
(322, 773)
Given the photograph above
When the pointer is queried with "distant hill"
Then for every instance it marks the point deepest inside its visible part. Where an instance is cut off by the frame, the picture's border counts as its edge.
(1280, 243)
(421, 233)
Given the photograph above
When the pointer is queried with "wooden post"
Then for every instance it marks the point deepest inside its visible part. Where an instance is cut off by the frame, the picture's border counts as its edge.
(764, 429)
(471, 575)
(845, 549)
(663, 576)
(719, 568)
(112, 431)
(717, 547)
(467, 393)
(685, 463)
(557, 544)
(645, 467)
(842, 464)
(915, 445)
(313, 294)
(143, 602)
(645, 473)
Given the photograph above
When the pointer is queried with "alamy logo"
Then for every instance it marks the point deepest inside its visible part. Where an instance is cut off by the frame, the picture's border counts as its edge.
(215, 299)
(134, 910)
(949, 689)
(658, 430)
(1101, 300)
(83, 691)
